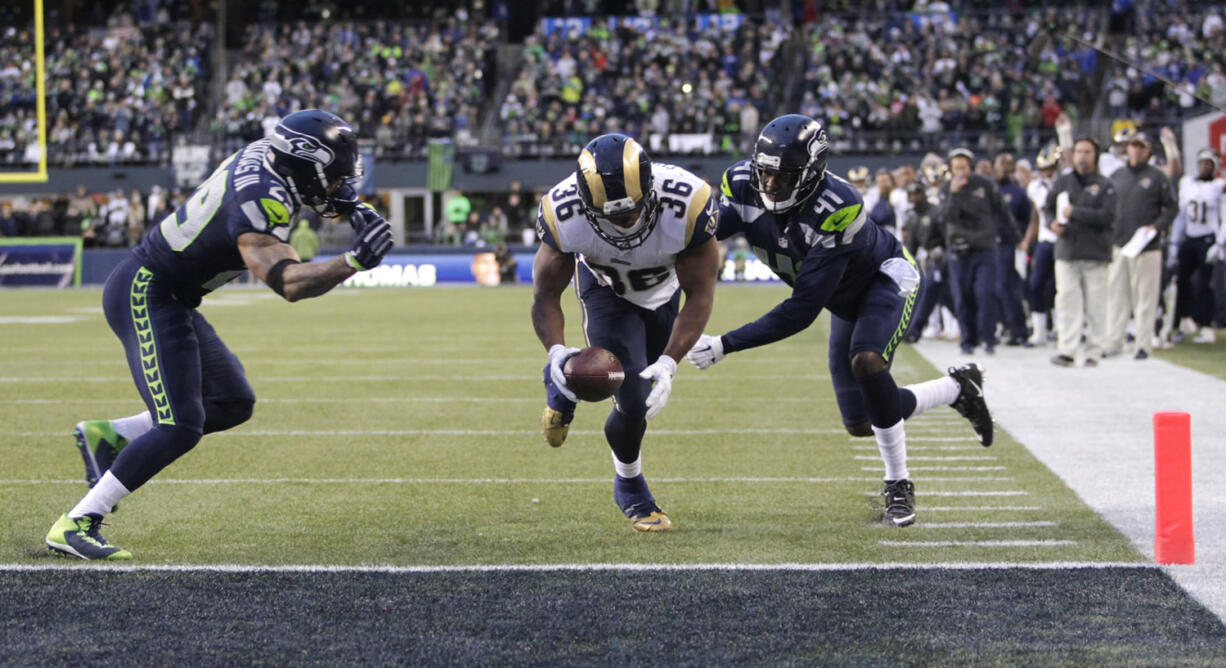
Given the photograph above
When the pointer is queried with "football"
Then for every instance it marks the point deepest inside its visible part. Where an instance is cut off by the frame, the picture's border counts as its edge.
(593, 374)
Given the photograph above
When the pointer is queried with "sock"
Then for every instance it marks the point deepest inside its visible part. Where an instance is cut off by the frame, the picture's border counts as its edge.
(131, 427)
(892, 442)
(625, 435)
(932, 393)
(1038, 321)
(101, 498)
(631, 470)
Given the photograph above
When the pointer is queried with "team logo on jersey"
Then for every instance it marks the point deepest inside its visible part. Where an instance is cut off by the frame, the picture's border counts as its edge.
(275, 211)
(1092, 189)
(1145, 182)
(302, 146)
(980, 193)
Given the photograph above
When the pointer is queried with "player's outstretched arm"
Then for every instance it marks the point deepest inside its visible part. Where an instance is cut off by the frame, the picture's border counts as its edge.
(697, 269)
(551, 273)
(269, 260)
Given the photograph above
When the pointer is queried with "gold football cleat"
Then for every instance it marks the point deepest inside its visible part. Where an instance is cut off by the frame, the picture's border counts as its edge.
(656, 521)
(555, 428)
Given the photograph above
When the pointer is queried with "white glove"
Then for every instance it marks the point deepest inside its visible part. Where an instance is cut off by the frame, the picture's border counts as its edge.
(661, 375)
(706, 351)
(1215, 254)
(558, 354)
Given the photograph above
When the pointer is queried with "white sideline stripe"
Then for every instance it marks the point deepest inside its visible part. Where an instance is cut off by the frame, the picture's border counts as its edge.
(944, 439)
(964, 493)
(933, 459)
(1004, 509)
(550, 568)
(986, 525)
(976, 543)
(940, 468)
(467, 432)
(486, 481)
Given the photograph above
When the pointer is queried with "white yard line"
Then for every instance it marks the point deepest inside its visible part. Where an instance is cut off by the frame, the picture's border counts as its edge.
(976, 543)
(550, 568)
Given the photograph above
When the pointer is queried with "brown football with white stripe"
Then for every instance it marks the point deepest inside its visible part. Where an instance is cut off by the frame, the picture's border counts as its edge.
(593, 374)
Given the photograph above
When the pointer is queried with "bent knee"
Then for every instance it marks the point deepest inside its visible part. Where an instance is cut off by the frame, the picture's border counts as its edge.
(860, 429)
(223, 415)
(866, 363)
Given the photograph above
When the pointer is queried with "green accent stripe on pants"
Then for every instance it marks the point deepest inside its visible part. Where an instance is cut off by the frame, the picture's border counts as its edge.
(907, 309)
(138, 302)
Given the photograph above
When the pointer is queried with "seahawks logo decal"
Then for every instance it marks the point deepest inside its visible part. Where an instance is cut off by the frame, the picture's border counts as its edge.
(302, 146)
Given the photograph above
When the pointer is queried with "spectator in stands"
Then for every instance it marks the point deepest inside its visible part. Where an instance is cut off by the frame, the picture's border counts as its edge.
(1145, 207)
(136, 217)
(1081, 207)
(507, 264)
(1009, 292)
(968, 213)
(8, 224)
(458, 208)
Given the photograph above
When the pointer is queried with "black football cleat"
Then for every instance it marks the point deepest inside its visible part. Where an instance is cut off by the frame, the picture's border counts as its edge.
(970, 402)
(899, 503)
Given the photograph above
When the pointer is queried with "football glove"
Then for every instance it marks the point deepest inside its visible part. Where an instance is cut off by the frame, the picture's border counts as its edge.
(661, 376)
(1215, 254)
(373, 239)
(558, 354)
(706, 351)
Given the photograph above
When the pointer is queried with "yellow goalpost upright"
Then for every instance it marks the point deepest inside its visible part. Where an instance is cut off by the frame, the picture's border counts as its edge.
(40, 85)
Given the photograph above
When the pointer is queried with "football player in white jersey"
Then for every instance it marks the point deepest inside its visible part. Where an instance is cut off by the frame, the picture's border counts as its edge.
(634, 235)
(1041, 279)
(1200, 203)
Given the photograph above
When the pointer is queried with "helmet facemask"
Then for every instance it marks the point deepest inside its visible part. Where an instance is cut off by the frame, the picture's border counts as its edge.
(787, 187)
(624, 223)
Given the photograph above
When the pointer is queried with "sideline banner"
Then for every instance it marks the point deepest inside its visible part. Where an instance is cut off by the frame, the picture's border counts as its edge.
(40, 261)
(426, 269)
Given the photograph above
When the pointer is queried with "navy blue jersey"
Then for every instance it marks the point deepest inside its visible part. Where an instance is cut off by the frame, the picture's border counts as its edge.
(825, 249)
(1014, 197)
(195, 248)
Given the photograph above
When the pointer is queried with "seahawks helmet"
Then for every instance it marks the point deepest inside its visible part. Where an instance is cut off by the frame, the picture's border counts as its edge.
(615, 186)
(1049, 157)
(317, 154)
(791, 151)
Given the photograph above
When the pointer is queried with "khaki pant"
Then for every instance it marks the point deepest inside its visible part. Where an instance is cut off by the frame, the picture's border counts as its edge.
(1081, 296)
(1132, 289)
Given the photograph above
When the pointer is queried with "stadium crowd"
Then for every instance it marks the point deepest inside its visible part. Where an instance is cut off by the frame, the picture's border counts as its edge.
(889, 76)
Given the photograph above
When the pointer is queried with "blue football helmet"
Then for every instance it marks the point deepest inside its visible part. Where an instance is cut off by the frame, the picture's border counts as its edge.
(317, 154)
(790, 156)
(615, 186)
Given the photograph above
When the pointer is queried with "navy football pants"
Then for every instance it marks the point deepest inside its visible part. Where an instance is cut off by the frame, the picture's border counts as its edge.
(187, 377)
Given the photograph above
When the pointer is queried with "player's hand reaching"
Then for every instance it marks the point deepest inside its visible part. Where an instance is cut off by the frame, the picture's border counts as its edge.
(373, 240)
(706, 351)
(661, 376)
(558, 354)
(1215, 254)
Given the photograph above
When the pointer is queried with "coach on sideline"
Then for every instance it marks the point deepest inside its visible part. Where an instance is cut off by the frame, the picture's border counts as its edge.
(1144, 198)
(1082, 223)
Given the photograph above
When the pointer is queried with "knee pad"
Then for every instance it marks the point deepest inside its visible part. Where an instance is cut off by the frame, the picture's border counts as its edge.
(866, 363)
(223, 415)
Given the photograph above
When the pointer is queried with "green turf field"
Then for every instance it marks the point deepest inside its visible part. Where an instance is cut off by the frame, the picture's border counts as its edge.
(401, 427)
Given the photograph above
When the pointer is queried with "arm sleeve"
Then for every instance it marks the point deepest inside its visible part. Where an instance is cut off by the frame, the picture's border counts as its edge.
(702, 218)
(819, 276)
(545, 229)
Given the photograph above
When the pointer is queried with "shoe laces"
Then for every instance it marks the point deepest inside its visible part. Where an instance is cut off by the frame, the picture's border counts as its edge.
(896, 494)
(92, 533)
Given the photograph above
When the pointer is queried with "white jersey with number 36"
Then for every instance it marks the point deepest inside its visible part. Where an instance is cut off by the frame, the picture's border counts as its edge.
(643, 275)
